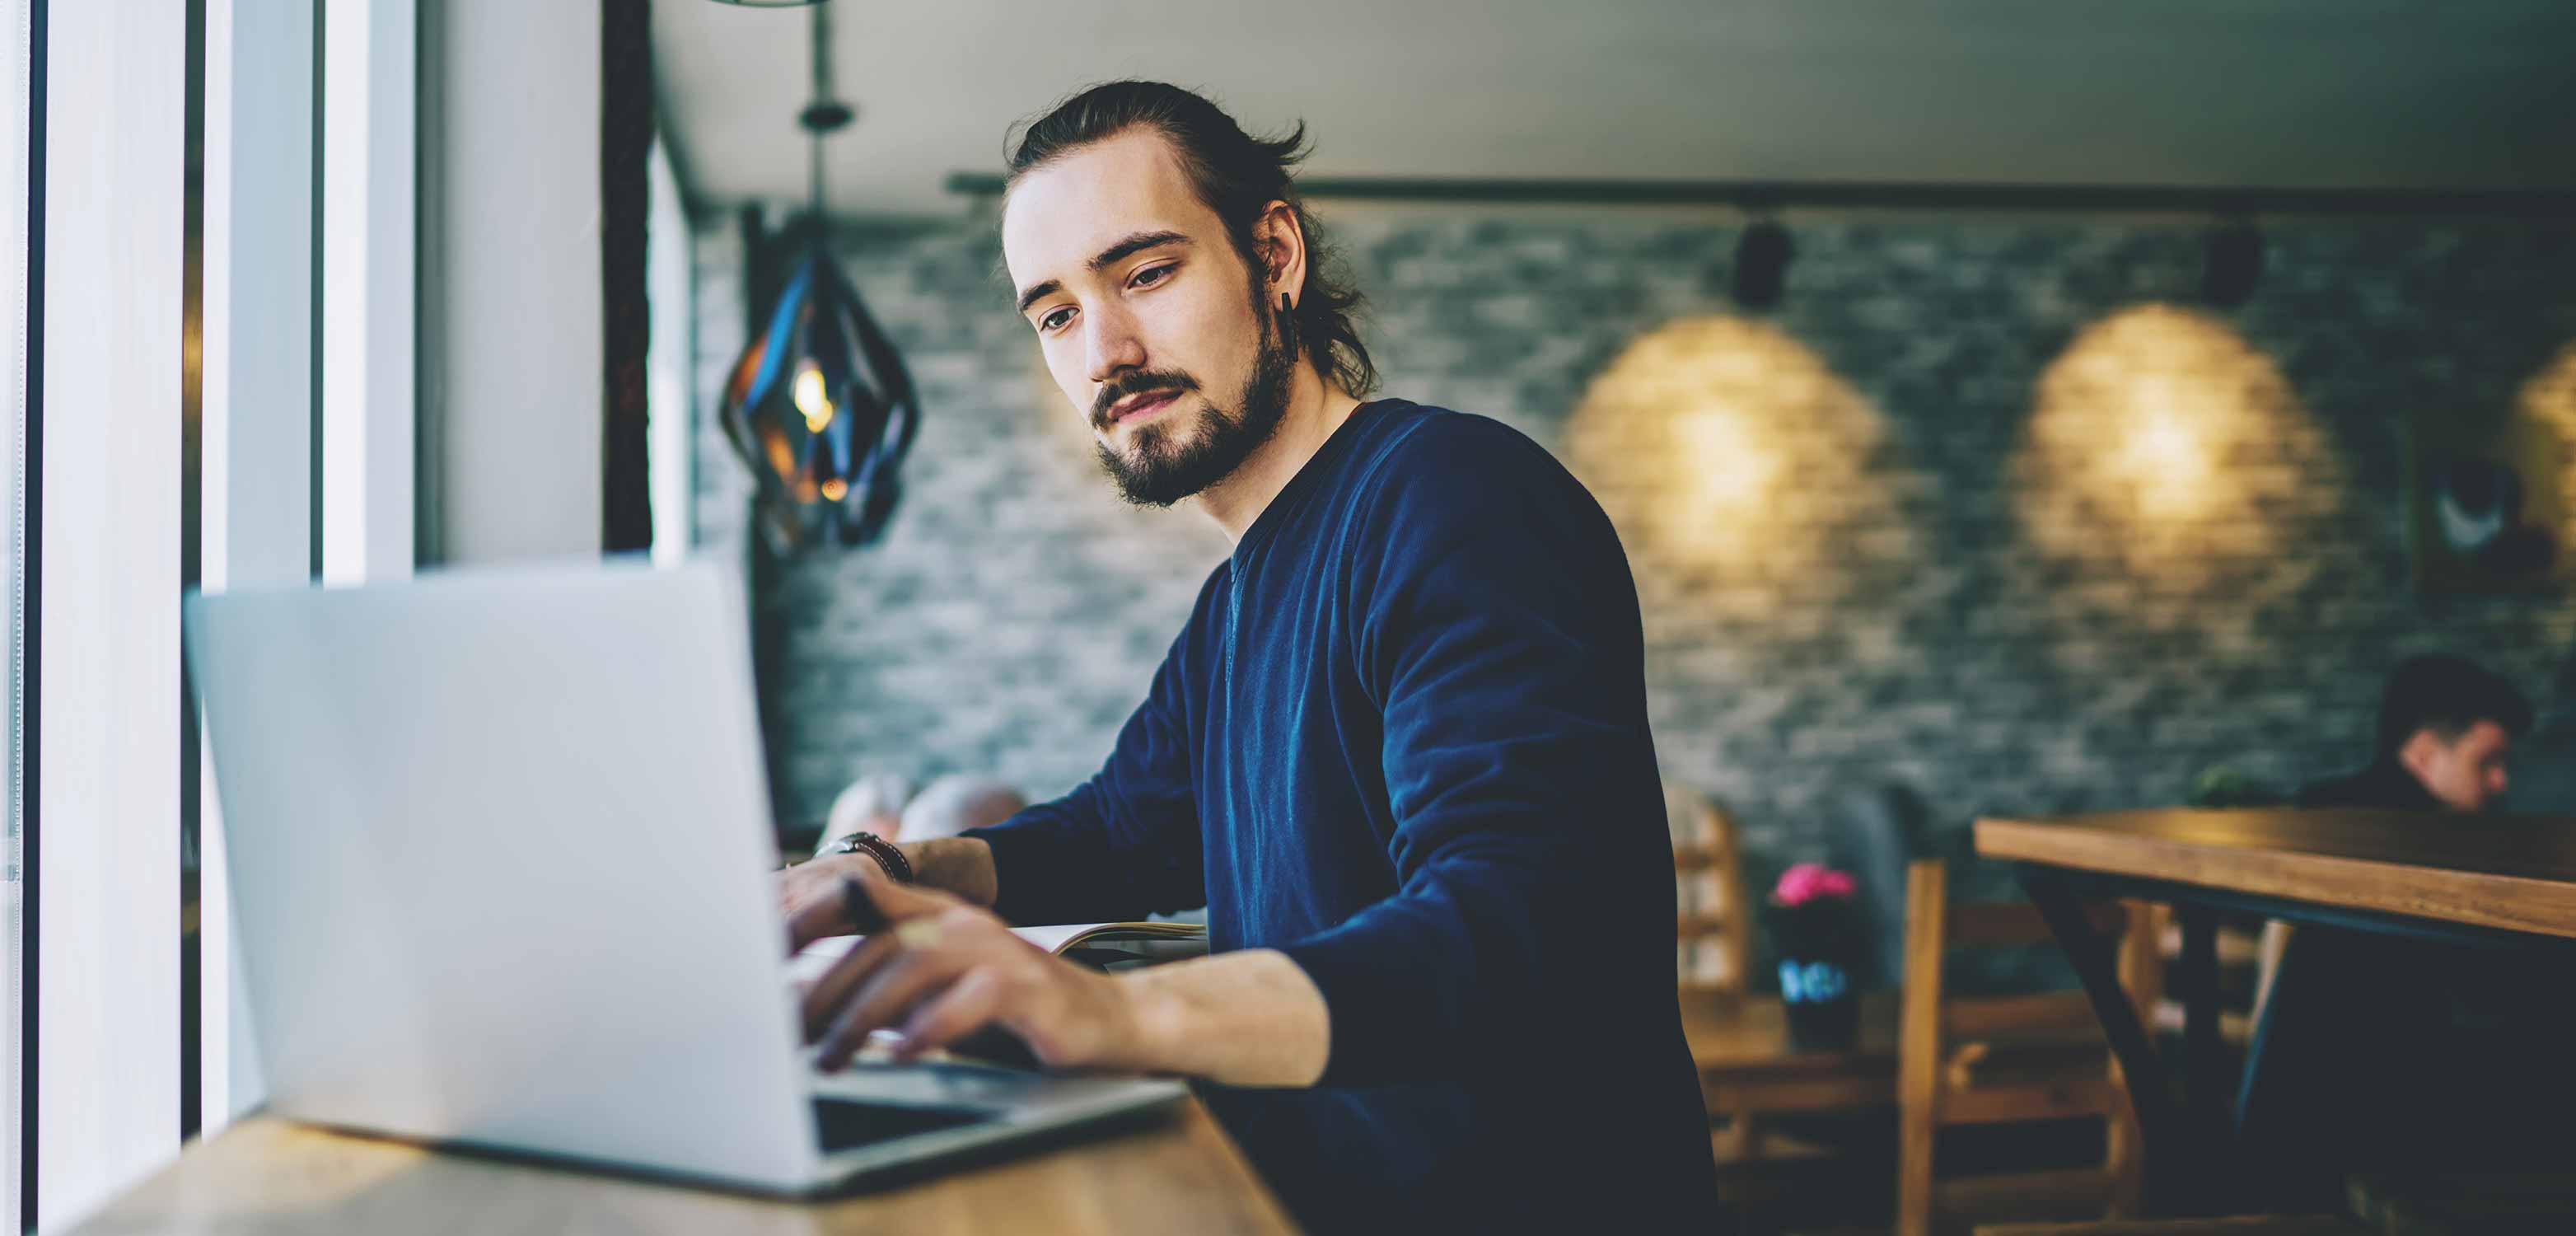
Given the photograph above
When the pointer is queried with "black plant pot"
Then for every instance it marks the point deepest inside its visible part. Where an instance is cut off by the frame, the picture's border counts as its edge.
(1822, 1005)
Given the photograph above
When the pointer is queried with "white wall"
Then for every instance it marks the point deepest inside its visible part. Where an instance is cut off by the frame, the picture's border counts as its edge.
(513, 360)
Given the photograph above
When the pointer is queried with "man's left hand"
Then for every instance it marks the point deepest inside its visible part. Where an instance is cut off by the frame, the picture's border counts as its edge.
(944, 969)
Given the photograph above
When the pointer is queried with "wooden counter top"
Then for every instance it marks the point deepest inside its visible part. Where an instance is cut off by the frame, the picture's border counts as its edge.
(1175, 1173)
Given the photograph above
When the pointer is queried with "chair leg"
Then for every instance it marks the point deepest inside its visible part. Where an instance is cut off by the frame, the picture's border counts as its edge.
(1914, 1173)
(1918, 1066)
(1737, 1142)
(2122, 1157)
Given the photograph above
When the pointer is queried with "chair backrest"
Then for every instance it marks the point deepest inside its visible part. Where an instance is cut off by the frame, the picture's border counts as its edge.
(2248, 958)
(1934, 928)
(1714, 921)
(2001, 1059)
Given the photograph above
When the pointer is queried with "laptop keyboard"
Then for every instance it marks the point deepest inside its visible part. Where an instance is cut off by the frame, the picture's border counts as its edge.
(843, 1124)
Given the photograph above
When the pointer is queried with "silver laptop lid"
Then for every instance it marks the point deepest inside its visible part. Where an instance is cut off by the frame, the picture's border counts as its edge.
(500, 850)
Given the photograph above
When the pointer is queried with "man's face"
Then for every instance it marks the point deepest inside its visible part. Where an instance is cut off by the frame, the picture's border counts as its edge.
(1155, 329)
(2467, 773)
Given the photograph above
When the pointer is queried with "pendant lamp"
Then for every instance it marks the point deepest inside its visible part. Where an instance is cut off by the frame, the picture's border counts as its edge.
(820, 406)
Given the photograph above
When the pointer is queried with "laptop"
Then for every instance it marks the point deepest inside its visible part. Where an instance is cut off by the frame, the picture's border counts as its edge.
(504, 878)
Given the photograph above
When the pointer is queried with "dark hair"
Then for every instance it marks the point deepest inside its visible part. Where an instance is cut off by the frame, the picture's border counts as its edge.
(2446, 695)
(1237, 175)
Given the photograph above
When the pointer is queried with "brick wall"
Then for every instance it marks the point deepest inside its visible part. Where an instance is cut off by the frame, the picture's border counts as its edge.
(1986, 507)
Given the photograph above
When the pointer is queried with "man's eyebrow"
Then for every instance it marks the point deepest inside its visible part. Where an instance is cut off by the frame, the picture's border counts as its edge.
(1048, 288)
(1132, 245)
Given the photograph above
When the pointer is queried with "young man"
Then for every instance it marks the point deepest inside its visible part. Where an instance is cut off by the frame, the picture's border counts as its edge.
(2486, 1068)
(1399, 752)
(2445, 727)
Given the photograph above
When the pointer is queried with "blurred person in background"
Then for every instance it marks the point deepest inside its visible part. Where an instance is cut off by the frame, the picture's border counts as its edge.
(872, 804)
(958, 802)
(2464, 1046)
(2446, 727)
(885, 805)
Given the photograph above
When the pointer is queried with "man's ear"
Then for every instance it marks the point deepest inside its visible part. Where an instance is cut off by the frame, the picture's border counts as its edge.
(1281, 246)
(2417, 753)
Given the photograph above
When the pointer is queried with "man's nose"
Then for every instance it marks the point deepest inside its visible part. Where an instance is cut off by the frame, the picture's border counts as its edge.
(1110, 345)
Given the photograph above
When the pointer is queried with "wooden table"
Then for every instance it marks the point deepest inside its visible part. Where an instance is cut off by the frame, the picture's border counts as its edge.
(2369, 869)
(1748, 1067)
(2498, 880)
(1749, 1070)
(1174, 1173)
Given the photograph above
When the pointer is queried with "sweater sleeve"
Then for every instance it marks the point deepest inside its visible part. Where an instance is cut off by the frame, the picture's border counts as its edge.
(1501, 641)
(1123, 844)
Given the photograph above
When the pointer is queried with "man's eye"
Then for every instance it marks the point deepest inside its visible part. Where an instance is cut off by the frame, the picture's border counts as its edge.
(1152, 275)
(1056, 318)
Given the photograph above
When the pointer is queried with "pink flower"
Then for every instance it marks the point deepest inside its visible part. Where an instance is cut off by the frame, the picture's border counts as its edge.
(1807, 882)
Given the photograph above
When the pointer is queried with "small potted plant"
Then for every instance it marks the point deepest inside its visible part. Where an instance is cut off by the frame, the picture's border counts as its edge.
(1816, 926)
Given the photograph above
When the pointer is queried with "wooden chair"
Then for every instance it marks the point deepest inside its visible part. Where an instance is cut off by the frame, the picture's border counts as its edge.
(2002, 1060)
(2247, 960)
(1715, 922)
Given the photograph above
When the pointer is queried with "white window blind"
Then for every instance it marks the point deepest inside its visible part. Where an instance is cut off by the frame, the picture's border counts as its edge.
(668, 279)
(14, 121)
(106, 581)
(256, 486)
(370, 92)
(265, 241)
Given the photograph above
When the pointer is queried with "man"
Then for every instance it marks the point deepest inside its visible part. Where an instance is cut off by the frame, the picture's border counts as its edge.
(2479, 1041)
(1399, 752)
(2445, 728)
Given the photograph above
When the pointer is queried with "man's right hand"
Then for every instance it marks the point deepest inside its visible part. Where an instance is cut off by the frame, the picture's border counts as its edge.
(809, 895)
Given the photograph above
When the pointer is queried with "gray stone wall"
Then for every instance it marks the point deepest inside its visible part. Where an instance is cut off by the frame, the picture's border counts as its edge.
(1985, 507)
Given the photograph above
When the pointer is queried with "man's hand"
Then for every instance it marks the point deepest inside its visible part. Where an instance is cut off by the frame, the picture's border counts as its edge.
(809, 895)
(944, 969)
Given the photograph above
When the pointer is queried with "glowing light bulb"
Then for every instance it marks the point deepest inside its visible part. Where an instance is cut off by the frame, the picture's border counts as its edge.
(835, 489)
(811, 399)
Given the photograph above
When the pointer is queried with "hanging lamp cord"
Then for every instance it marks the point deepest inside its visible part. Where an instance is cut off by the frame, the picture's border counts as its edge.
(819, 28)
(824, 115)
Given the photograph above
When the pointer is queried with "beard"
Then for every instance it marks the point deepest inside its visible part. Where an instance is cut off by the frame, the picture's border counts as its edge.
(1157, 472)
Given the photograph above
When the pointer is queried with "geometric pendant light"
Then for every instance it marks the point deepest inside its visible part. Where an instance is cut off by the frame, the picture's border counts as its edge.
(820, 406)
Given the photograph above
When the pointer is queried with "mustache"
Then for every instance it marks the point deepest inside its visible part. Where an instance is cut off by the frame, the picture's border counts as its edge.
(1138, 383)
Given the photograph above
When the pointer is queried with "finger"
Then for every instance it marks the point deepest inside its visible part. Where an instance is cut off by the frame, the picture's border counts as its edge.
(915, 972)
(814, 919)
(907, 980)
(825, 998)
(969, 1004)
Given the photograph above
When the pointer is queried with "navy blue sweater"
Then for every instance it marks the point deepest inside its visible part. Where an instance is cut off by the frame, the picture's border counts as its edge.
(1403, 740)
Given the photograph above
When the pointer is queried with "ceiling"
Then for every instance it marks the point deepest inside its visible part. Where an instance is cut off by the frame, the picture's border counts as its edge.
(2379, 94)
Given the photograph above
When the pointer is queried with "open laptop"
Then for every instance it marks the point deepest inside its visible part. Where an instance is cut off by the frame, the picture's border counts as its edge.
(503, 877)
